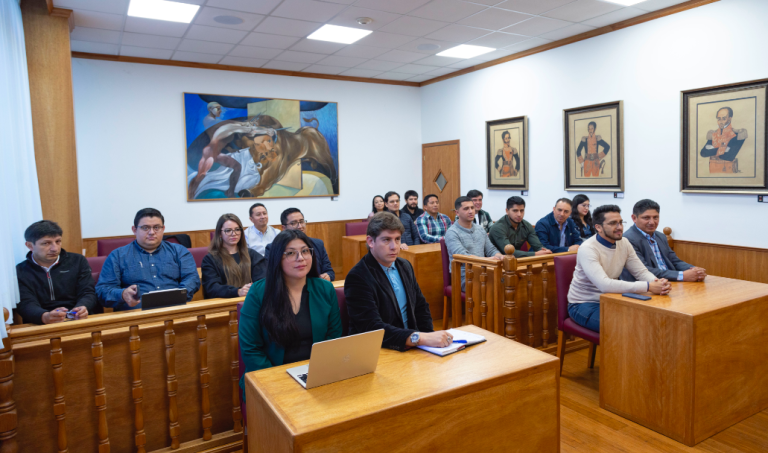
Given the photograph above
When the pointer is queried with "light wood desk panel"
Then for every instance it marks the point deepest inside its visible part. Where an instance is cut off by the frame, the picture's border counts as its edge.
(415, 401)
(353, 249)
(690, 364)
(427, 265)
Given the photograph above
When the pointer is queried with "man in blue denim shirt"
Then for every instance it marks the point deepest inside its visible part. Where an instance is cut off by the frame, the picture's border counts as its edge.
(146, 264)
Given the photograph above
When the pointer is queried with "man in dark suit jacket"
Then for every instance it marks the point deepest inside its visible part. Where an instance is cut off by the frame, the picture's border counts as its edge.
(293, 219)
(557, 231)
(382, 292)
(652, 247)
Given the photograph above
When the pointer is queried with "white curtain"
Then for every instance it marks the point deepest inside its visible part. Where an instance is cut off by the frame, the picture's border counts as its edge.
(19, 193)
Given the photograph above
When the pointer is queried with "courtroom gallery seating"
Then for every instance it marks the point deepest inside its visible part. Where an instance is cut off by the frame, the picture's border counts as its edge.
(356, 228)
(198, 253)
(447, 290)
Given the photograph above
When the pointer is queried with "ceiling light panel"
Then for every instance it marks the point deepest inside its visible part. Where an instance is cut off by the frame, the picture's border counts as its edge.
(465, 51)
(163, 10)
(335, 33)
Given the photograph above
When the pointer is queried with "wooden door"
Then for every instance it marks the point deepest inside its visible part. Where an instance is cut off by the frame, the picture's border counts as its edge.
(440, 174)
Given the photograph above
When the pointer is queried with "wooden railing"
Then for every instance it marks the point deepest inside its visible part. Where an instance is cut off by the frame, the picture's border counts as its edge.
(136, 381)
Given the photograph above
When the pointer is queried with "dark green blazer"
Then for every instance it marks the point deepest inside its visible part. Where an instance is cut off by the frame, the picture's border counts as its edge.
(258, 351)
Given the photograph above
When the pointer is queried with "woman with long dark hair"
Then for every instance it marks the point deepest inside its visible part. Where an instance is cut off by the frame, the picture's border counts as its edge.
(288, 311)
(230, 267)
(378, 205)
(582, 216)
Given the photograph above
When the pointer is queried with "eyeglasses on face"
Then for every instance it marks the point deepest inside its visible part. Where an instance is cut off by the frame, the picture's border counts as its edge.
(296, 223)
(232, 231)
(306, 253)
(156, 228)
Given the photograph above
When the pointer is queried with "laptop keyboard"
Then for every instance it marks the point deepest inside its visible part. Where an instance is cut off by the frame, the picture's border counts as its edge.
(303, 377)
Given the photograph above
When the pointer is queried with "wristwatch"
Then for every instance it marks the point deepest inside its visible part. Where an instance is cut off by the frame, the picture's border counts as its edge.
(415, 338)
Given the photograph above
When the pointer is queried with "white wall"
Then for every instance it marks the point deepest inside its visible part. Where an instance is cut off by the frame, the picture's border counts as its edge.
(646, 66)
(131, 151)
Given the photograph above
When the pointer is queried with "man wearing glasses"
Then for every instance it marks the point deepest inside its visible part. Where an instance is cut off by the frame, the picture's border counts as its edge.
(293, 219)
(146, 264)
(599, 263)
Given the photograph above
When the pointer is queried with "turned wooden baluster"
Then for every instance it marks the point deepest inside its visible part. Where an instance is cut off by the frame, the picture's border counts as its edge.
(202, 335)
(97, 351)
(171, 384)
(8, 420)
(59, 406)
(510, 281)
(470, 300)
(529, 276)
(544, 305)
(483, 303)
(137, 390)
(234, 371)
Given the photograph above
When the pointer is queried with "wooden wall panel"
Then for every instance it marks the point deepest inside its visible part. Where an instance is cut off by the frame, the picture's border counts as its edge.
(743, 263)
(49, 63)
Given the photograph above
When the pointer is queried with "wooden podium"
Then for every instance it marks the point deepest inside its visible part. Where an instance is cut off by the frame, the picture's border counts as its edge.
(493, 396)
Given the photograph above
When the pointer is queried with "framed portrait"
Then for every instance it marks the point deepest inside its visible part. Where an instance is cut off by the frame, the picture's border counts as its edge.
(723, 147)
(507, 153)
(594, 148)
(245, 147)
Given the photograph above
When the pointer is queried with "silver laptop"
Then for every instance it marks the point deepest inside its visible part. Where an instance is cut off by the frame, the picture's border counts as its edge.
(339, 359)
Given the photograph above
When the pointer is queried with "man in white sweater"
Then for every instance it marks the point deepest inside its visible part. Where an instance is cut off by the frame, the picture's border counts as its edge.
(599, 263)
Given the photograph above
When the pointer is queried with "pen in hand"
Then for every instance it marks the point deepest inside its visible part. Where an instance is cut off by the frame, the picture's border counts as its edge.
(459, 341)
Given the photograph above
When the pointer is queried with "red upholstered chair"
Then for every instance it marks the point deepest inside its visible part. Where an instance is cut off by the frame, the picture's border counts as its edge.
(96, 263)
(447, 290)
(353, 229)
(198, 253)
(564, 267)
(343, 311)
(212, 234)
(172, 240)
(105, 246)
(525, 247)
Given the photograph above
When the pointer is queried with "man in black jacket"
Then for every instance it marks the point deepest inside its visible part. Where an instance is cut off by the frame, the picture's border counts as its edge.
(382, 292)
(52, 281)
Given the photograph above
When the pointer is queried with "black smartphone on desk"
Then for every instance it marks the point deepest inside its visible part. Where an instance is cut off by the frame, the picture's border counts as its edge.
(636, 296)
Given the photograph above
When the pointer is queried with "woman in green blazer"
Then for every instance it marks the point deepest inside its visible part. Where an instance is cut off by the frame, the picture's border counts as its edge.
(288, 311)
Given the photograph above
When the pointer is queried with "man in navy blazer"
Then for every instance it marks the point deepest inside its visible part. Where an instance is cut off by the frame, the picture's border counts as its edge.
(653, 250)
(557, 231)
(293, 219)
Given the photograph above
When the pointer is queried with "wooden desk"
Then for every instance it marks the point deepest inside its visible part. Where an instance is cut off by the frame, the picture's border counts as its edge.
(353, 249)
(428, 268)
(690, 364)
(414, 402)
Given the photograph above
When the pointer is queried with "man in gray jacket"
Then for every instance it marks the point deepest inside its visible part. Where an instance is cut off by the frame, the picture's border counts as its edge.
(467, 238)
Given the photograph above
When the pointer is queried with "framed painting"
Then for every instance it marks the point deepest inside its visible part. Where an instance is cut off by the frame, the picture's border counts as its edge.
(594, 148)
(724, 135)
(507, 153)
(245, 147)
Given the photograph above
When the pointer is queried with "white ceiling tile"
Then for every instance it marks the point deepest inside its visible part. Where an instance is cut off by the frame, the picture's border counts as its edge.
(355, 72)
(155, 42)
(447, 10)
(299, 57)
(93, 47)
(344, 62)
(379, 65)
(532, 6)
(441, 72)
(486, 2)
(207, 16)
(392, 6)
(94, 19)
(255, 52)
(386, 40)
(582, 10)
(355, 50)
(191, 2)
(400, 56)
(614, 17)
(217, 48)
(196, 57)
(95, 35)
(272, 41)
(205, 33)
(428, 46)
(498, 40)
(240, 61)
(285, 65)
(463, 64)
(457, 33)
(348, 18)
(536, 26)
(420, 78)
(143, 52)
(434, 60)
(529, 44)
(104, 6)
(655, 5)
(155, 27)
(315, 46)
(415, 69)
(394, 76)
(307, 10)
(413, 26)
(567, 32)
(494, 19)
(342, 2)
(495, 55)
(248, 6)
(320, 69)
(287, 27)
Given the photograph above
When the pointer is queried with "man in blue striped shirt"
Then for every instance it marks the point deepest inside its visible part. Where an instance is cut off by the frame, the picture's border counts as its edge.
(432, 225)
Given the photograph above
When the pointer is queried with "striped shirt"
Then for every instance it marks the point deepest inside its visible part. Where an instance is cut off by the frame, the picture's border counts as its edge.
(657, 254)
(431, 229)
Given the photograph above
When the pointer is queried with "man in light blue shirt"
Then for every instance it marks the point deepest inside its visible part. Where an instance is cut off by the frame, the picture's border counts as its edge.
(260, 234)
(397, 286)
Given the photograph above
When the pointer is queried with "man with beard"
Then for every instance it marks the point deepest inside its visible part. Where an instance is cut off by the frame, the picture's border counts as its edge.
(412, 205)
(593, 156)
(724, 143)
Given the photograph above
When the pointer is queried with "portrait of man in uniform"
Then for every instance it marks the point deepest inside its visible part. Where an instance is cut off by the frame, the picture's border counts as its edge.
(505, 157)
(724, 143)
(507, 153)
(593, 160)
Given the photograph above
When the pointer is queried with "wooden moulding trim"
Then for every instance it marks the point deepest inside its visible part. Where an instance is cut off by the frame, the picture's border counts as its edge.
(221, 67)
(61, 12)
(449, 142)
(477, 261)
(723, 246)
(590, 34)
(533, 260)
